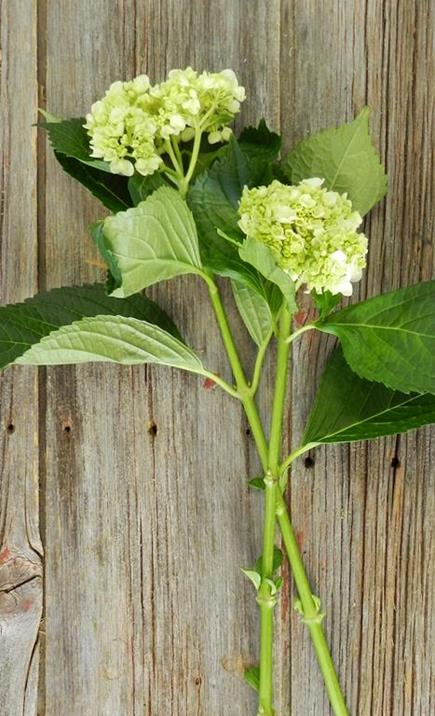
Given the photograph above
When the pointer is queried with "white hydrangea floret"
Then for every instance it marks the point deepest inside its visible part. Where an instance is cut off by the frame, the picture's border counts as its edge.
(312, 233)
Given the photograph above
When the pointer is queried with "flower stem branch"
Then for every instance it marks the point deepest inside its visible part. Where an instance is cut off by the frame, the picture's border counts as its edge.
(256, 375)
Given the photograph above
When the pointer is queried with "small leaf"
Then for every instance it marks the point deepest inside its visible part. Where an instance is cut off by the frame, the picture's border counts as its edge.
(260, 256)
(346, 159)
(69, 137)
(257, 483)
(156, 240)
(252, 677)
(348, 408)
(253, 576)
(141, 187)
(390, 338)
(278, 583)
(277, 561)
(24, 324)
(254, 310)
(112, 339)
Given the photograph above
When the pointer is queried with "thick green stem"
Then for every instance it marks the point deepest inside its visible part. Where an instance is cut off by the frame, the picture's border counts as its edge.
(309, 606)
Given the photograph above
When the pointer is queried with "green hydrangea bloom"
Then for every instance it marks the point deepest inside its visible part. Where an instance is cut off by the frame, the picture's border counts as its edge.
(131, 123)
(311, 231)
(122, 128)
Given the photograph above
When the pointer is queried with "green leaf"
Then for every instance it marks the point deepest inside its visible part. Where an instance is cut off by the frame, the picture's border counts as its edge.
(69, 137)
(260, 143)
(156, 240)
(112, 339)
(390, 338)
(24, 324)
(214, 198)
(348, 408)
(325, 302)
(141, 187)
(254, 310)
(261, 147)
(346, 159)
(260, 256)
(252, 676)
(257, 483)
(110, 189)
(254, 577)
(277, 561)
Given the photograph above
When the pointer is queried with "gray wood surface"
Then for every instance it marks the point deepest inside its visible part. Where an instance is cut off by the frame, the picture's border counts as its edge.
(145, 608)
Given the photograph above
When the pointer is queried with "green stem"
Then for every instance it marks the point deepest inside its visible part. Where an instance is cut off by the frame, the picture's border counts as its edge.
(265, 598)
(184, 185)
(310, 609)
(309, 606)
(296, 334)
(256, 375)
(173, 158)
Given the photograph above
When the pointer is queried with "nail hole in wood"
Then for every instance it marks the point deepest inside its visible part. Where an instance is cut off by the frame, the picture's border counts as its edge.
(395, 462)
(66, 427)
(152, 428)
(248, 431)
(10, 428)
(309, 462)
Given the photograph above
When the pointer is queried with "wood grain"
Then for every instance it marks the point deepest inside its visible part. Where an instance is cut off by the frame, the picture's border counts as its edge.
(20, 545)
(145, 512)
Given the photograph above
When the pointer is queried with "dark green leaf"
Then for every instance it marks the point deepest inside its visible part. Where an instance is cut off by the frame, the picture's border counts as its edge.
(390, 338)
(261, 148)
(69, 137)
(346, 159)
(24, 324)
(348, 408)
(325, 302)
(110, 189)
(257, 483)
(252, 677)
(141, 187)
(214, 198)
(277, 561)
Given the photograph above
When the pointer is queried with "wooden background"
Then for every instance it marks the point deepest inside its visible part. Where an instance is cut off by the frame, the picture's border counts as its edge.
(144, 609)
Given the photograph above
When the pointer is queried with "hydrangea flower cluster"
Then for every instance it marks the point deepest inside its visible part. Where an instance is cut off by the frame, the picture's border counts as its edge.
(131, 125)
(311, 231)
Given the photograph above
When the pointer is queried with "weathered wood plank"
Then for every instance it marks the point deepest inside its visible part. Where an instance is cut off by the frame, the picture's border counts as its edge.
(20, 546)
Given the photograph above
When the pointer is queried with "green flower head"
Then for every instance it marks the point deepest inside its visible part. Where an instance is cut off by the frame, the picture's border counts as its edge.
(130, 126)
(312, 233)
